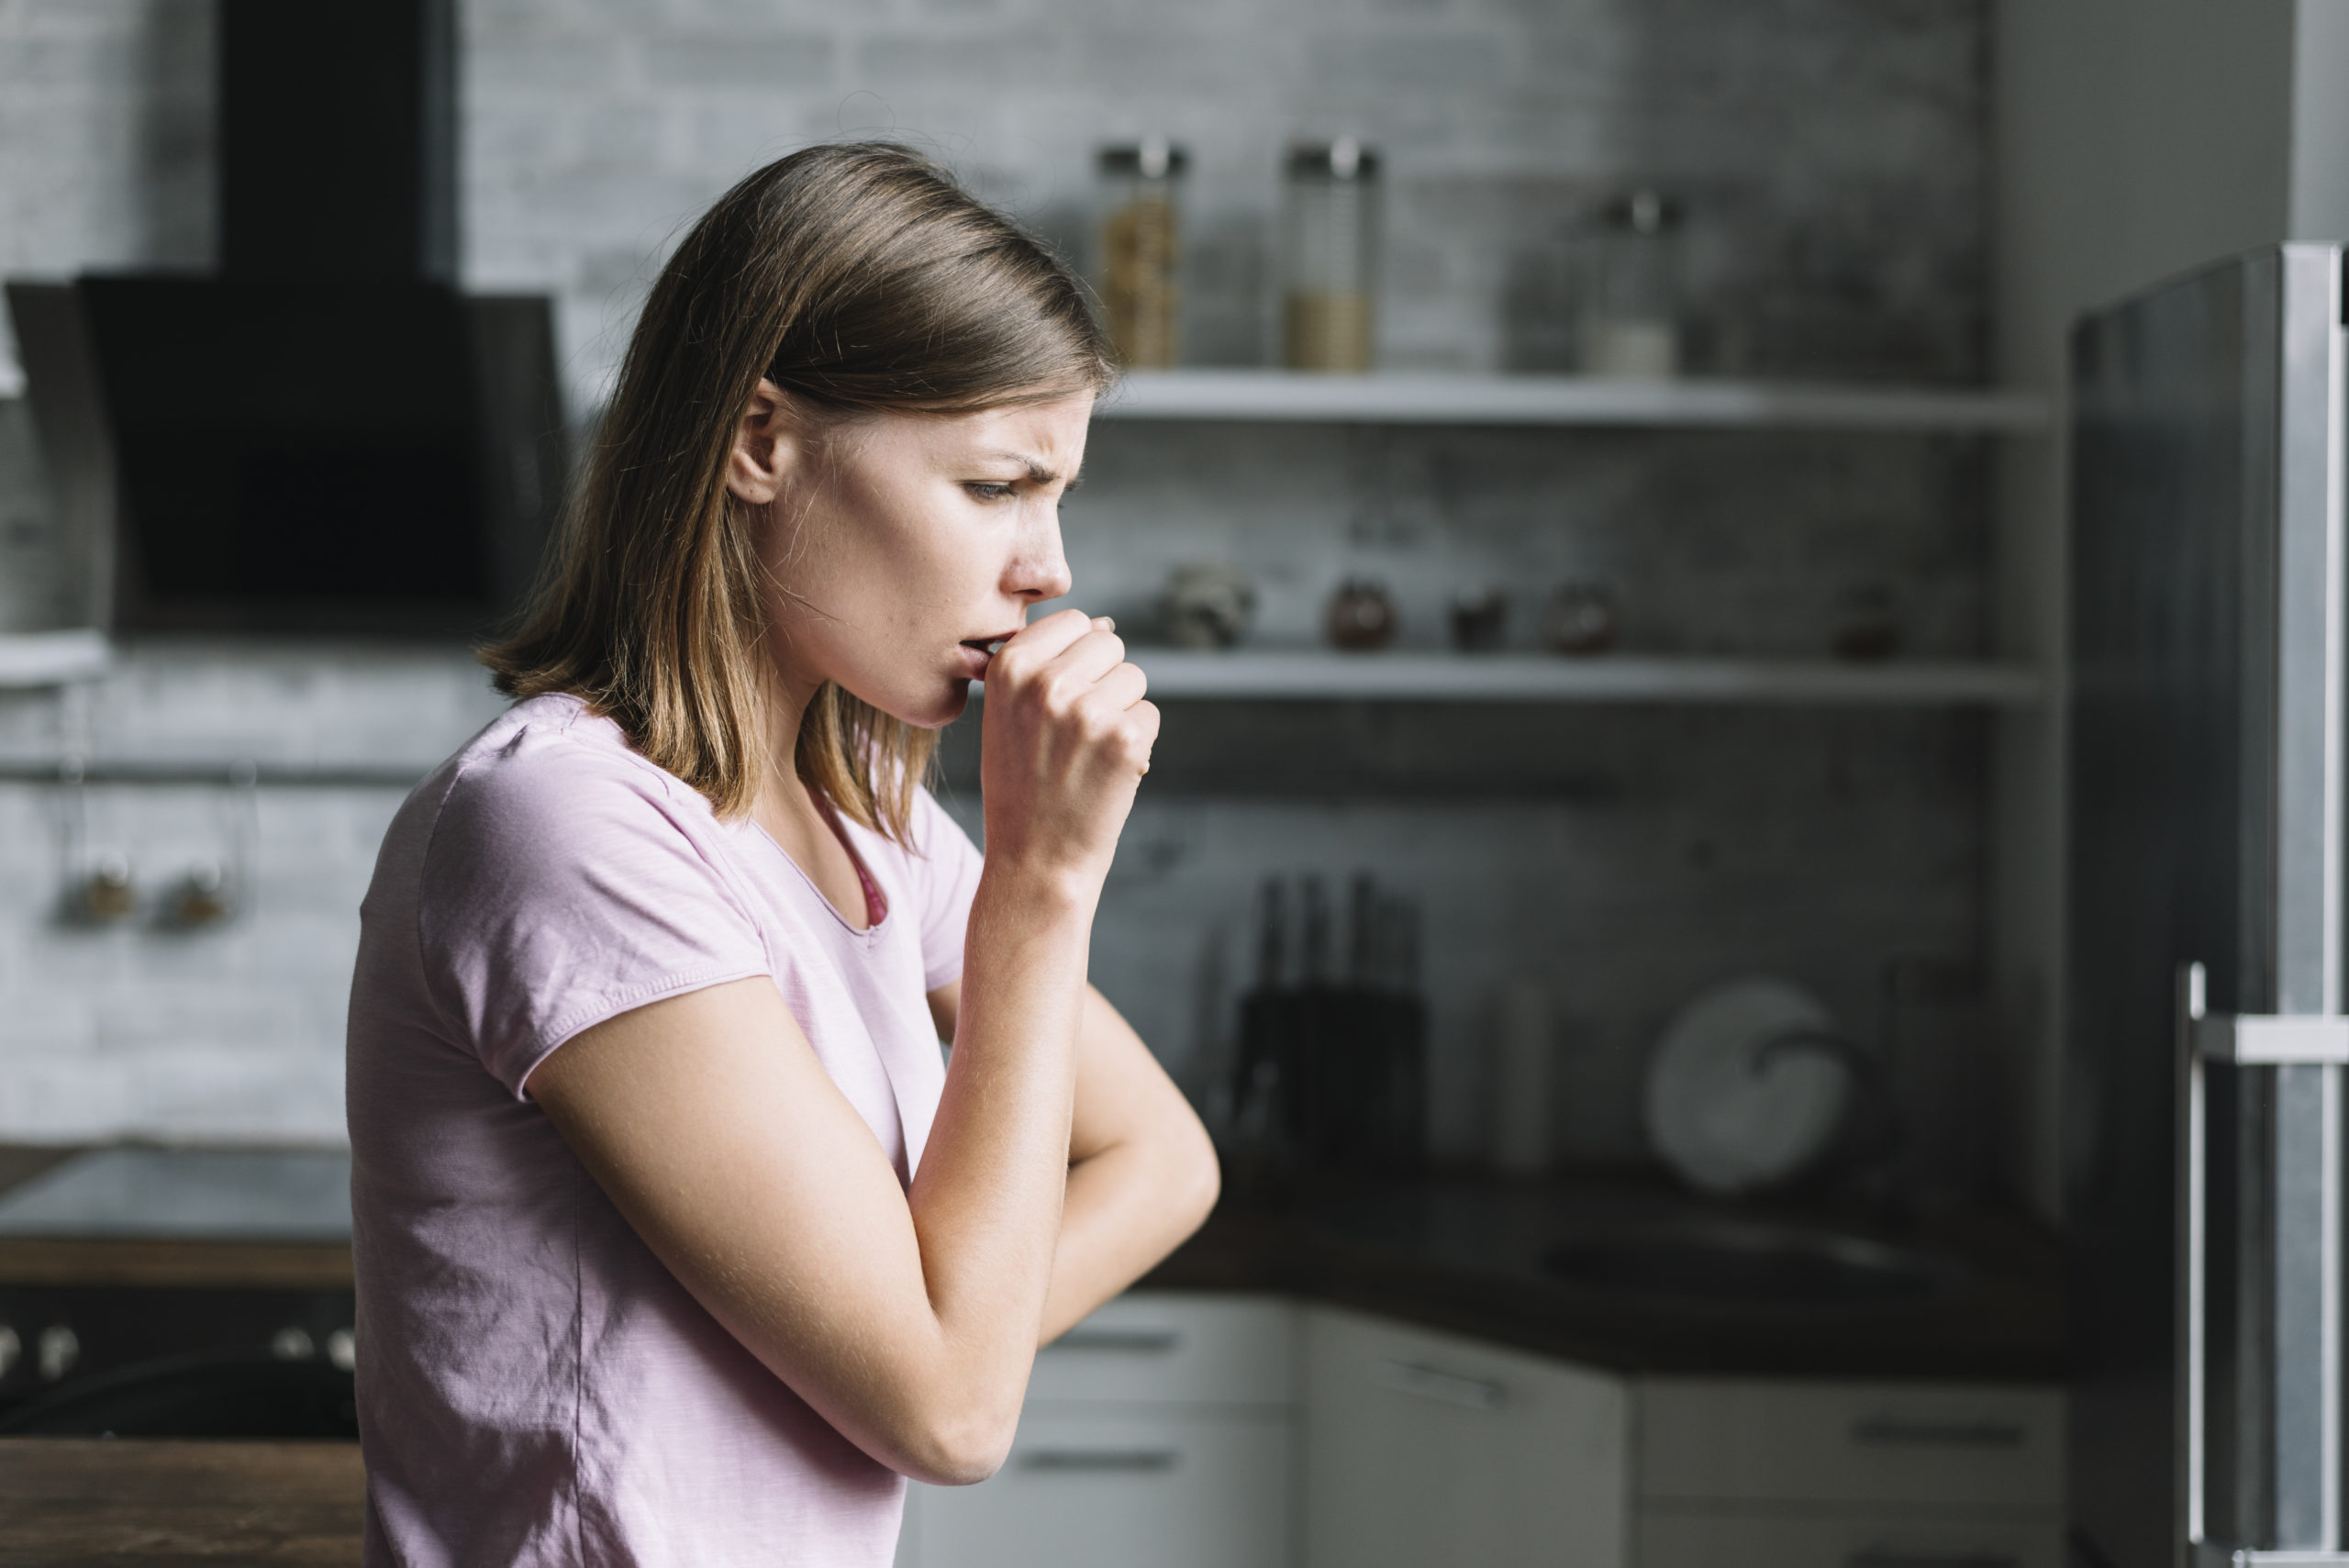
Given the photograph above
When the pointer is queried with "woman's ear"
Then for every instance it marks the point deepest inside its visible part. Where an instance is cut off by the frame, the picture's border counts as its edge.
(768, 441)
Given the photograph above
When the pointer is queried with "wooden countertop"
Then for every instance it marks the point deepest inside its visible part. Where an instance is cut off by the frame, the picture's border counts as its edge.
(67, 1502)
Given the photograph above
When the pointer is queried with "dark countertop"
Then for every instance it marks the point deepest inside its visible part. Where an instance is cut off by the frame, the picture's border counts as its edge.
(1453, 1253)
(1461, 1254)
(67, 1502)
(157, 1261)
(1457, 1252)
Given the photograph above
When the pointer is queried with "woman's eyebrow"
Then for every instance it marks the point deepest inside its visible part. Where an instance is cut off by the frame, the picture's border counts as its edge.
(1038, 473)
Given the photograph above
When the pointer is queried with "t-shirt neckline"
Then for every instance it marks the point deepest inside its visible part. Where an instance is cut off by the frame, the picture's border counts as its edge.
(876, 902)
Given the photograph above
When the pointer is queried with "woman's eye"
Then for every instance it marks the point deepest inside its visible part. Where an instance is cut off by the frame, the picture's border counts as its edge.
(989, 489)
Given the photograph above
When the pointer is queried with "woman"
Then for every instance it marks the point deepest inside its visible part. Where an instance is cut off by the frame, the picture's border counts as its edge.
(676, 1241)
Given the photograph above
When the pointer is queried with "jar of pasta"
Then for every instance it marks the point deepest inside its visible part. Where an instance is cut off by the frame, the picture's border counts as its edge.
(1329, 260)
(1142, 250)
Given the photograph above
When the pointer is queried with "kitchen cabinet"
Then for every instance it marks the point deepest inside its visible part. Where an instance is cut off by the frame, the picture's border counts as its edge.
(1234, 1431)
(1803, 1474)
(1164, 1488)
(1424, 1448)
(1842, 1539)
(1159, 1433)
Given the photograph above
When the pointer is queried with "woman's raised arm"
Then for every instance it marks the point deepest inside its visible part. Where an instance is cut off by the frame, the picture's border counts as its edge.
(907, 1320)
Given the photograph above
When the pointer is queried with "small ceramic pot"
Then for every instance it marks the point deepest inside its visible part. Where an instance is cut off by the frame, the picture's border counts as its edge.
(1479, 620)
(1208, 604)
(1867, 625)
(1584, 619)
(1362, 616)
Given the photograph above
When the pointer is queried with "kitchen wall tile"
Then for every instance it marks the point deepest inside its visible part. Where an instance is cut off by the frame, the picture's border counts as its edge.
(725, 62)
(1443, 62)
(233, 1031)
(1831, 155)
(1627, 858)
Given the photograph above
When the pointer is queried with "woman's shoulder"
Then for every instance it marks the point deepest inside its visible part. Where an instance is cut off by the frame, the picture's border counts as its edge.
(552, 749)
(550, 770)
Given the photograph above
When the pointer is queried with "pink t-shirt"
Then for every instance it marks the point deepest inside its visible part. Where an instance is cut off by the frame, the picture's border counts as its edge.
(534, 1386)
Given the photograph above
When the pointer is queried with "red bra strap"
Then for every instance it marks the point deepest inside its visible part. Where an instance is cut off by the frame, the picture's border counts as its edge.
(876, 903)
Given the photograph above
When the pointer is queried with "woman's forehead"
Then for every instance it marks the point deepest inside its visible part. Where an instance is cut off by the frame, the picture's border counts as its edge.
(1047, 438)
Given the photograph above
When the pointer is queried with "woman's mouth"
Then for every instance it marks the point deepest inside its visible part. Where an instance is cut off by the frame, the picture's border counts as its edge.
(979, 652)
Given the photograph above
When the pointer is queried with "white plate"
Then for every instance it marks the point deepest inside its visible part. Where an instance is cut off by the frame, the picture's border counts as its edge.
(1724, 1123)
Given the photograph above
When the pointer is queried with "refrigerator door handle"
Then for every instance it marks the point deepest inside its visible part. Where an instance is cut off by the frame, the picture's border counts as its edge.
(2238, 1040)
(2192, 1243)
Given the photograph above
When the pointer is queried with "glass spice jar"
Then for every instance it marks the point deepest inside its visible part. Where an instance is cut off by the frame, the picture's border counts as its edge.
(1631, 328)
(1141, 239)
(1328, 261)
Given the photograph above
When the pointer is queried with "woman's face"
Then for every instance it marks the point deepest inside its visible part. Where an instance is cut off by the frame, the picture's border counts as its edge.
(898, 546)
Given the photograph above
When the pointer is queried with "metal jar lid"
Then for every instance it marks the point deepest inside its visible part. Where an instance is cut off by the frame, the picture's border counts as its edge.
(1642, 211)
(1344, 159)
(1151, 158)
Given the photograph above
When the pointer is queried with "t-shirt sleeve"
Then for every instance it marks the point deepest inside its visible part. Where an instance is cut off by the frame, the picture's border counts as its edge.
(560, 890)
(946, 870)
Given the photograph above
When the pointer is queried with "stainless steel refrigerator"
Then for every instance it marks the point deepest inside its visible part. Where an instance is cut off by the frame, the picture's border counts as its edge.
(2204, 1045)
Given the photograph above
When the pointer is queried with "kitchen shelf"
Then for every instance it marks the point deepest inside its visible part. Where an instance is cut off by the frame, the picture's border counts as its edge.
(1501, 677)
(1425, 397)
(50, 658)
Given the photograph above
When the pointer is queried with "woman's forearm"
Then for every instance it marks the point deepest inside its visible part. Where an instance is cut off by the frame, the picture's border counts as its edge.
(987, 1201)
(1127, 1208)
(1142, 1173)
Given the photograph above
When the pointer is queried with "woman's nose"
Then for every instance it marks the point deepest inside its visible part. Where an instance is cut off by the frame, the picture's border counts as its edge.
(1039, 568)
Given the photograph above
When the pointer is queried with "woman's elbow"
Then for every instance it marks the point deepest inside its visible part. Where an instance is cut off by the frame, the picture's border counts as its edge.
(1198, 1180)
(956, 1448)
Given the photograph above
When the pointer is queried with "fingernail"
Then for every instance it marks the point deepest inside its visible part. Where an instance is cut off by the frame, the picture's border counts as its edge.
(1104, 623)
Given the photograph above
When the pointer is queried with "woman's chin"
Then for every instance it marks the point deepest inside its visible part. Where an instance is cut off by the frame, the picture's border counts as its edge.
(924, 705)
(956, 704)
(933, 711)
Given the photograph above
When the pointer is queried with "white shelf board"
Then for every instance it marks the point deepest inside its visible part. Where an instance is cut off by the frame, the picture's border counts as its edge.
(1502, 677)
(50, 658)
(1428, 397)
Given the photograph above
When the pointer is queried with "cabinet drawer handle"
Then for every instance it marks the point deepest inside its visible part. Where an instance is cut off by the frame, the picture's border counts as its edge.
(1151, 1341)
(1891, 1430)
(1409, 1377)
(1912, 1557)
(1099, 1458)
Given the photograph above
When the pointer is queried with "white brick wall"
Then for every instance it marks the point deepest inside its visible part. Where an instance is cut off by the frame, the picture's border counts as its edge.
(1832, 149)
(1832, 152)
(228, 1032)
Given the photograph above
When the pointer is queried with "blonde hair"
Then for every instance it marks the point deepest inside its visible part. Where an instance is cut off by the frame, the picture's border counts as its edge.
(859, 278)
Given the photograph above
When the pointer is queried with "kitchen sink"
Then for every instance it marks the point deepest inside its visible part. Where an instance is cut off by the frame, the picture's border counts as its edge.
(1745, 1262)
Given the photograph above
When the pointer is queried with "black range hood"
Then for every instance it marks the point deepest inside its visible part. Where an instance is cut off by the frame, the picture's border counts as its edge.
(326, 436)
